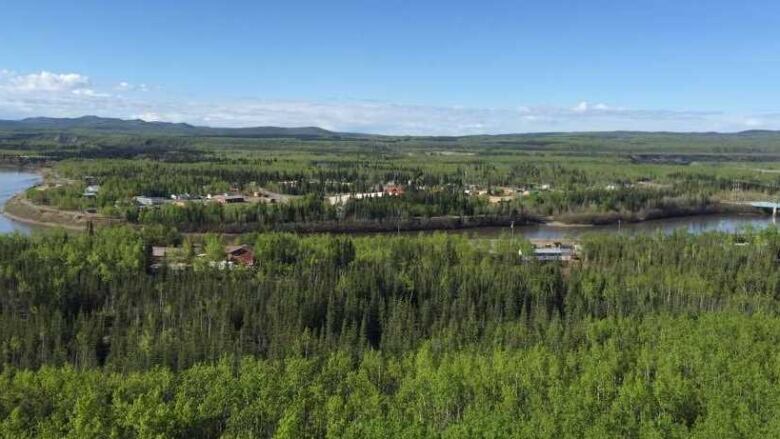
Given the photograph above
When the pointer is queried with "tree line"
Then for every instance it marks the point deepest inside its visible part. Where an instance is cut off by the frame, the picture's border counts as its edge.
(91, 300)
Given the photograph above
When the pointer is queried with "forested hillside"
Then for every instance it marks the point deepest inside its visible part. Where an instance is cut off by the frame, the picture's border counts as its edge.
(662, 336)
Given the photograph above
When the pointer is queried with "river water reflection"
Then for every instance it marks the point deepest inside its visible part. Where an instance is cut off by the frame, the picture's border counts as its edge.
(729, 223)
(12, 182)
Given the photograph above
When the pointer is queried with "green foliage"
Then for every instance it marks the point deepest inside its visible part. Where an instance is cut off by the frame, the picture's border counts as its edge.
(379, 336)
(656, 377)
(213, 248)
(431, 335)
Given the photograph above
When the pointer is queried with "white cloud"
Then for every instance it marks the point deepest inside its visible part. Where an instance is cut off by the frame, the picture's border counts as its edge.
(585, 106)
(47, 81)
(72, 94)
(753, 122)
(150, 116)
(391, 118)
(126, 86)
(89, 92)
(581, 107)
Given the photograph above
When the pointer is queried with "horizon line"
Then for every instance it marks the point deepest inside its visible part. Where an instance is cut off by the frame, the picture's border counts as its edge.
(292, 127)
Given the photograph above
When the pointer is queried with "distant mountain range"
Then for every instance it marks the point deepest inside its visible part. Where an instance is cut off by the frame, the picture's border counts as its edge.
(96, 124)
(138, 126)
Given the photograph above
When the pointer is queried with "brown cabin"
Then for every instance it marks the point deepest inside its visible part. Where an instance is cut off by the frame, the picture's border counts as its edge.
(241, 255)
(393, 190)
(229, 199)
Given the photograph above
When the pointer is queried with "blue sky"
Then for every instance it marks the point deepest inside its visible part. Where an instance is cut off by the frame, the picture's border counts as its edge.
(416, 67)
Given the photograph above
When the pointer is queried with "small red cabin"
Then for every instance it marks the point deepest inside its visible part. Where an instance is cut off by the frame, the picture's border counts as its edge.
(241, 255)
(393, 190)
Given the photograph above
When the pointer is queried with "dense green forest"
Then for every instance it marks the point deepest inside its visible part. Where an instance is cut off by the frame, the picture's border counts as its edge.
(662, 336)
(665, 377)
(386, 335)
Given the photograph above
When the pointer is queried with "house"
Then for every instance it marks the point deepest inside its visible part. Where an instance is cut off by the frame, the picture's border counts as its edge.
(91, 191)
(393, 190)
(241, 255)
(145, 201)
(338, 199)
(222, 265)
(552, 253)
(182, 200)
(343, 198)
(166, 257)
(161, 252)
(563, 254)
(176, 266)
(229, 198)
(262, 195)
(475, 191)
(494, 199)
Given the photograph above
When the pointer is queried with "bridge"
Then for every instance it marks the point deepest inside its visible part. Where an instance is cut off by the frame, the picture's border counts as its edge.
(766, 205)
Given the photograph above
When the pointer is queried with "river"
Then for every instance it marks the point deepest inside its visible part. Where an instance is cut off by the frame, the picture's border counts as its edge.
(729, 223)
(12, 182)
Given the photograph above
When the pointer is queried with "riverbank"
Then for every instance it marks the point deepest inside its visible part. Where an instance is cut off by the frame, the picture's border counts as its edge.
(21, 210)
(588, 219)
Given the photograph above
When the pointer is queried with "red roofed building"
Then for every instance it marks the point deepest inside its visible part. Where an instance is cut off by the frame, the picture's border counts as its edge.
(241, 255)
(393, 189)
